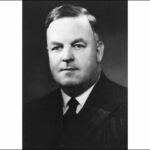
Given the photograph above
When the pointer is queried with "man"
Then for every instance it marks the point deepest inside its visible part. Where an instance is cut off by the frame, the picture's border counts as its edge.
(88, 110)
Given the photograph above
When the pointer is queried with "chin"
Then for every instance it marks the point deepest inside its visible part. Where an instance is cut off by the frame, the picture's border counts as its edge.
(69, 83)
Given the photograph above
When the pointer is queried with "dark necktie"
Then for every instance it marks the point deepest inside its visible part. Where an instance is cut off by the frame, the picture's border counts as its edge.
(70, 115)
(68, 135)
(71, 125)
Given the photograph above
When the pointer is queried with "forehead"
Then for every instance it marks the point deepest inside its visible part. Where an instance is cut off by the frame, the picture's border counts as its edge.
(69, 27)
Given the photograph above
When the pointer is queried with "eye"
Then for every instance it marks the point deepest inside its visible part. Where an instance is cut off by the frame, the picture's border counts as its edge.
(56, 48)
(79, 45)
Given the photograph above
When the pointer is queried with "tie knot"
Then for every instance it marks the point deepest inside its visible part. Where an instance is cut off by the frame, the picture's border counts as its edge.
(72, 104)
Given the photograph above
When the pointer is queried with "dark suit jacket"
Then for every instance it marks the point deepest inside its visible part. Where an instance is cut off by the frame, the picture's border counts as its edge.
(102, 121)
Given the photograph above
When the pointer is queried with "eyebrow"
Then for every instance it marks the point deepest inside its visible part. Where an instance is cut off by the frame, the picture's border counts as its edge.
(56, 43)
(79, 40)
(73, 42)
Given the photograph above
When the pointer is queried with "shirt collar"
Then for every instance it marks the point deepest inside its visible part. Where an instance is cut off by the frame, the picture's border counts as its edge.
(81, 99)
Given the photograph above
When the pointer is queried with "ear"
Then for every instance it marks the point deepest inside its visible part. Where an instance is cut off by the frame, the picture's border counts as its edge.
(100, 51)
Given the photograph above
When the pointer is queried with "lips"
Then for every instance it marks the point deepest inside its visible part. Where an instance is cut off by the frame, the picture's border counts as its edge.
(69, 69)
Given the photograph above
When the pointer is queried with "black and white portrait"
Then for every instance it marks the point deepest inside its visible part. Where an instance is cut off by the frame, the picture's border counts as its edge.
(75, 75)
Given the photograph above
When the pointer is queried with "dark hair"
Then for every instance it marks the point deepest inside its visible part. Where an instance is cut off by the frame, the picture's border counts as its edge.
(68, 10)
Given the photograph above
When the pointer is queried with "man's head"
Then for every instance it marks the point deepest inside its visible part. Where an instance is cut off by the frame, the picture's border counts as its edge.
(74, 48)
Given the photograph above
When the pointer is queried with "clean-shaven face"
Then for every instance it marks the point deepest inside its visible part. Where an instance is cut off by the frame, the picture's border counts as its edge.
(73, 57)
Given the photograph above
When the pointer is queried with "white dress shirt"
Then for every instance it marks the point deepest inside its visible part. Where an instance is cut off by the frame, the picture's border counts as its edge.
(81, 99)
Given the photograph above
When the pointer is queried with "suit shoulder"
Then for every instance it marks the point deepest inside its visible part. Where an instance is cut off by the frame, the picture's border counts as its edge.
(111, 86)
(119, 94)
(47, 100)
(115, 95)
(119, 88)
(118, 91)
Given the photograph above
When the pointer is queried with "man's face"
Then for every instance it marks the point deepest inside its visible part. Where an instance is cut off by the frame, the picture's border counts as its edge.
(72, 49)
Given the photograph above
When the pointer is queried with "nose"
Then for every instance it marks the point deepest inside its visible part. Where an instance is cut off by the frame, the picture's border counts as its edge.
(67, 55)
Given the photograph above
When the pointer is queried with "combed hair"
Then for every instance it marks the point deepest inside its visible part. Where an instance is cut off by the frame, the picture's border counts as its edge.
(69, 10)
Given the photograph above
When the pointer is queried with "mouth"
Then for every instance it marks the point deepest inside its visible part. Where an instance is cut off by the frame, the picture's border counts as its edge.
(69, 69)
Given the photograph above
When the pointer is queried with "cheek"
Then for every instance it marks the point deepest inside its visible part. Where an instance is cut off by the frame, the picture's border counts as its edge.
(88, 60)
(52, 62)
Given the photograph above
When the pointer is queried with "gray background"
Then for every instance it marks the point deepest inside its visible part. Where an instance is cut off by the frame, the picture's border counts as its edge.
(37, 79)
